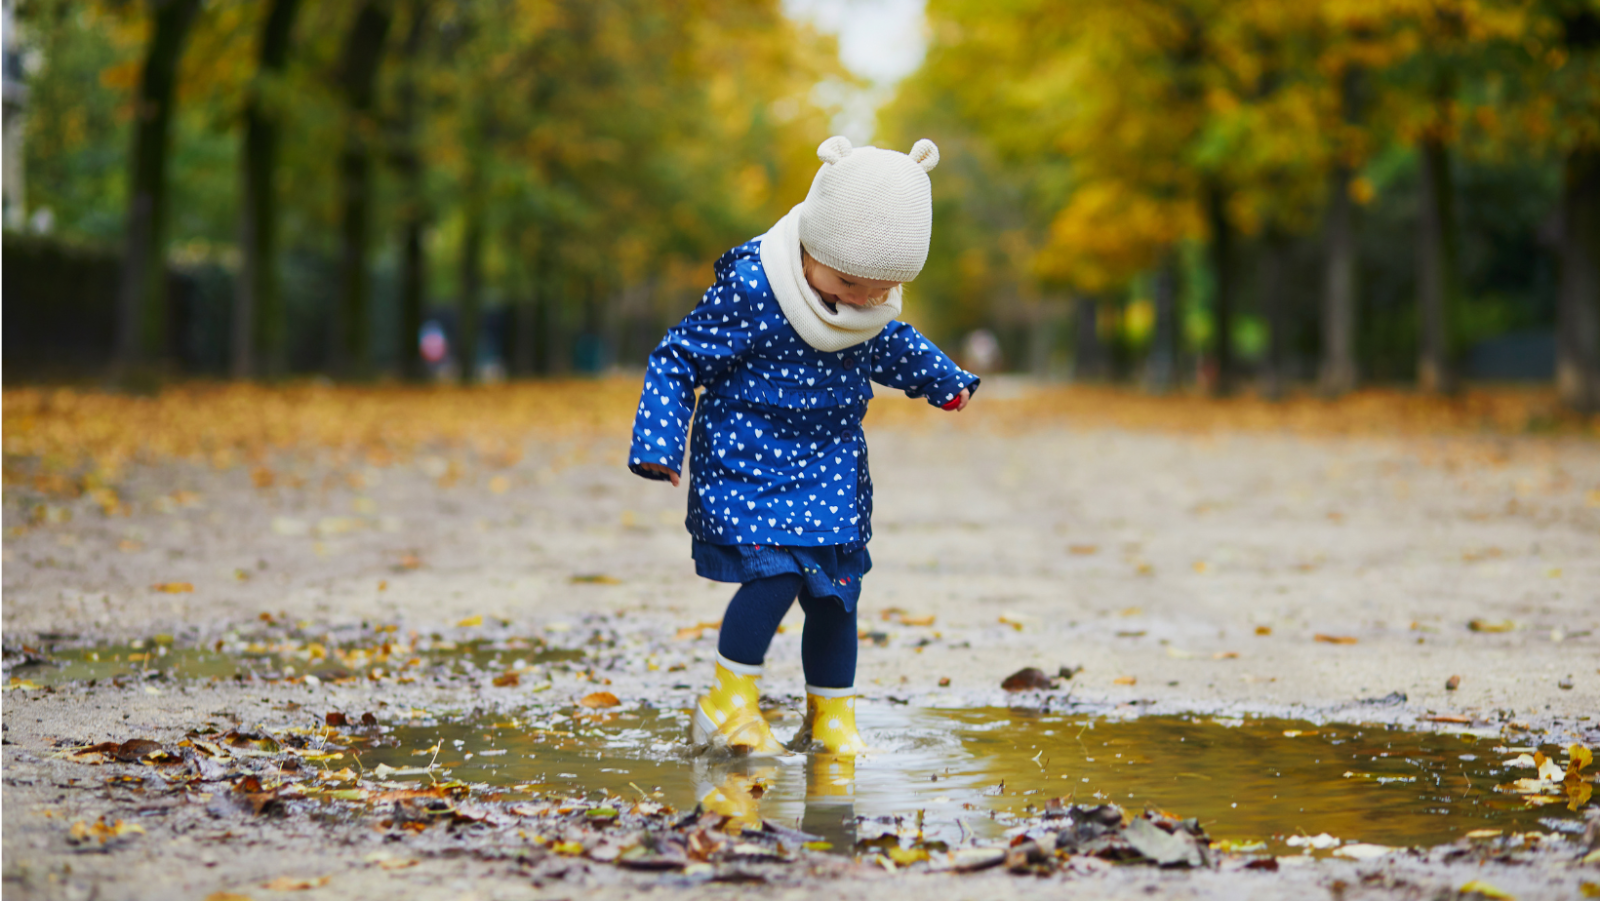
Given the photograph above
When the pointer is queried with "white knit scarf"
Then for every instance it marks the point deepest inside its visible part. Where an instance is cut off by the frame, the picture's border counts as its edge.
(820, 327)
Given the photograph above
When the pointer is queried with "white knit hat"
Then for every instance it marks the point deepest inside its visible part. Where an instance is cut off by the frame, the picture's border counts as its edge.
(870, 211)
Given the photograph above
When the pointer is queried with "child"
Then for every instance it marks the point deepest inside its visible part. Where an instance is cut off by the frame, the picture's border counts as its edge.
(785, 344)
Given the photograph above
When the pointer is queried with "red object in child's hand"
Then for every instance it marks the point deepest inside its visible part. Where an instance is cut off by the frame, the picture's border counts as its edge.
(954, 402)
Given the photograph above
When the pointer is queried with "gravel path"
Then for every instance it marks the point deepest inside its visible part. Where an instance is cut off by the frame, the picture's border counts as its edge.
(1240, 572)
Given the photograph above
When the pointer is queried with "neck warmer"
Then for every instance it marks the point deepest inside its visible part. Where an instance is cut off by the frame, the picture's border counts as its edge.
(818, 326)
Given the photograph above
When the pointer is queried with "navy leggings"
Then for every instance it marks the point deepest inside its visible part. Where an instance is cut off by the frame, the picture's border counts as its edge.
(827, 647)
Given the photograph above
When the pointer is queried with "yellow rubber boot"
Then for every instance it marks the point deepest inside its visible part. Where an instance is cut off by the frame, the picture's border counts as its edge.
(830, 723)
(729, 715)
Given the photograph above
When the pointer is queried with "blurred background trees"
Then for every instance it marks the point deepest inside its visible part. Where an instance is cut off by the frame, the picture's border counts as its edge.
(1229, 192)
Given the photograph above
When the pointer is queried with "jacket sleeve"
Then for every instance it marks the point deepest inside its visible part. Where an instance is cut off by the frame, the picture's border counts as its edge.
(698, 350)
(902, 358)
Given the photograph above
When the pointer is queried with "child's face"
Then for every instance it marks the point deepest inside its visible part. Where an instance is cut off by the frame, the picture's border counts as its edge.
(837, 287)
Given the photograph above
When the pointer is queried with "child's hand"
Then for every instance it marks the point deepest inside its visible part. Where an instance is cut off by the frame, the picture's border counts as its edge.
(671, 476)
(956, 405)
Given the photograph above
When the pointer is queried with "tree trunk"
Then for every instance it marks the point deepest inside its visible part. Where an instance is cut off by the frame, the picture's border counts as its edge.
(1275, 308)
(1437, 257)
(1338, 373)
(469, 314)
(258, 321)
(1087, 358)
(413, 212)
(1338, 370)
(1578, 325)
(1161, 370)
(141, 296)
(1220, 250)
(358, 69)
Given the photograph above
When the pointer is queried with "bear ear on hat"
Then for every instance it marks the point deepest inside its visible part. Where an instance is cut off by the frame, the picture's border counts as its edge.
(925, 154)
(834, 149)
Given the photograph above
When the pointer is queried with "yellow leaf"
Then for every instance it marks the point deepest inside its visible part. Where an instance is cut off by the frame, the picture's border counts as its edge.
(1125, 680)
(1488, 891)
(1578, 757)
(1335, 639)
(173, 587)
(596, 579)
(474, 620)
(1484, 625)
(599, 699)
(907, 856)
(571, 849)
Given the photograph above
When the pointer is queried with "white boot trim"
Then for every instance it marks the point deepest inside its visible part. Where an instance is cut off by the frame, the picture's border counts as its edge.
(743, 669)
(830, 692)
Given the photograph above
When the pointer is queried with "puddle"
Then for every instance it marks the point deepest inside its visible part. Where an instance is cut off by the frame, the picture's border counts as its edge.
(980, 772)
(273, 659)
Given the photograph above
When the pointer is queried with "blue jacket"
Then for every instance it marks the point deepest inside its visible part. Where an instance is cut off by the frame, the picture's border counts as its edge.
(778, 455)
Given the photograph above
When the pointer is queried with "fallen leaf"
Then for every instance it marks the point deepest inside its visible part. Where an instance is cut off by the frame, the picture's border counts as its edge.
(1335, 639)
(1449, 718)
(909, 620)
(1484, 625)
(599, 699)
(291, 884)
(596, 579)
(944, 681)
(335, 718)
(228, 896)
(507, 680)
(1488, 891)
(1125, 680)
(474, 620)
(1452, 683)
(409, 561)
(173, 587)
(101, 831)
(1027, 679)
(1263, 630)
(1083, 550)
(1225, 655)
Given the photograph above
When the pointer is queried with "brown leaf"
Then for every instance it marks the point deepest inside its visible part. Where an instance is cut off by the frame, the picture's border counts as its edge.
(1452, 683)
(1484, 625)
(599, 699)
(335, 718)
(367, 719)
(173, 587)
(944, 681)
(1335, 639)
(1263, 630)
(507, 679)
(1027, 679)
(291, 884)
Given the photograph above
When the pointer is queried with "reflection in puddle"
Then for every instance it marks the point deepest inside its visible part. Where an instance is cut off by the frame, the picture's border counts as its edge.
(976, 772)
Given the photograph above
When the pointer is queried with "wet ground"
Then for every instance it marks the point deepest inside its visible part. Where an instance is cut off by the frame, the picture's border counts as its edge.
(450, 677)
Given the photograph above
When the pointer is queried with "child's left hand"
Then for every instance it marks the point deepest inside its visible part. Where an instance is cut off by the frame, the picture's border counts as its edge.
(959, 403)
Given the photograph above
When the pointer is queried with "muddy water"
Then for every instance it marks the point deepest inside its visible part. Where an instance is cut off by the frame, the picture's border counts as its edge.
(978, 772)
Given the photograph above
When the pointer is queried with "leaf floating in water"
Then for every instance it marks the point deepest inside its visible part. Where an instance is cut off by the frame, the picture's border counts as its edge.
(599, 700)
(1335, 639)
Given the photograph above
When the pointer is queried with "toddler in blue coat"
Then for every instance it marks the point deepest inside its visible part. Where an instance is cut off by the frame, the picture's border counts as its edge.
(786, 345)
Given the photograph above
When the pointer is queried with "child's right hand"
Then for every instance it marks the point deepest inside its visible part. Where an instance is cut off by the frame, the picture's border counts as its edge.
(657, 467)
